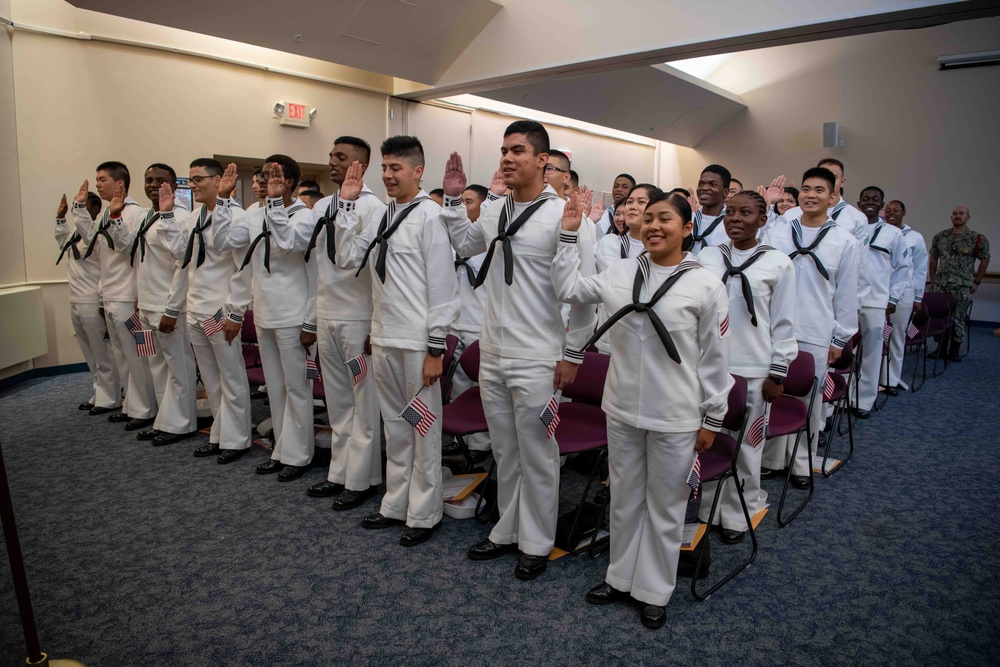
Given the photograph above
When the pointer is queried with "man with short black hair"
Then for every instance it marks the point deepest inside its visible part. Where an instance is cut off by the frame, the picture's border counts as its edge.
(415, 300)
(713, 193)
(304, 185)
(310, 197)
(913, 295)
(526, 348)
(557, 172)
(113, 234)
(572, 184)
(735, 187)
(344, 322)
(619, 190)
(284, 305)
(84, 276)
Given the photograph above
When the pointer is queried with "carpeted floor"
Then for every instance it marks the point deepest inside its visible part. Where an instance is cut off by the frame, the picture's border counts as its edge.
(147, 556)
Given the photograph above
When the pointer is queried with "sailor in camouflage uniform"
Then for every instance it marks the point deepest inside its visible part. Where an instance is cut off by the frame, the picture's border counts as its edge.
(953, 256)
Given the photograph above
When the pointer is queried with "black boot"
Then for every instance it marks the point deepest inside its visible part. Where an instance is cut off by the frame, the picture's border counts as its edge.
(955, 355)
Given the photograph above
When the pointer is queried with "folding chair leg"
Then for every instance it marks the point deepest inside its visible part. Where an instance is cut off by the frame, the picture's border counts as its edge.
(883, 365)
(481, 507)
(829, 447)
(753, 541)
(466, 454)
(782, 520)
(916, 363)
(583, 499)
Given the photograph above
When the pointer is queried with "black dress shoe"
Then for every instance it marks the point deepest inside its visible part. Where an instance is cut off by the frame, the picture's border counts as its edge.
(119, 418)
(85, 406)
(165, 438)
(769, 473)
(136, 424)
(377, 522)
(288, 473)
(348, 500)
(892, 391)
(211, 449)
(487, 550)
(230, 455)
(603, 495)
(411, 537)
(148, 435)
(653, 616)
(257, 394)
(862, 414)
(324, 490)
(530, 567)
(94, 411)
(800, 481)
(733, 536)
(269, 467)
(605, 594)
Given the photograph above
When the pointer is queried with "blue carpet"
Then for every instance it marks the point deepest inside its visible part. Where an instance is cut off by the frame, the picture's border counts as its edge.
(147, 556)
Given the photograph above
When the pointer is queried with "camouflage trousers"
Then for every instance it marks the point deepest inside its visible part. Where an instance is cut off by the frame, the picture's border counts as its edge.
(963, 306)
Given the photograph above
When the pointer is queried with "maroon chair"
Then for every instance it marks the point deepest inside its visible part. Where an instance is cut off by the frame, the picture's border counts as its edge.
(464, 416)
(841, 406)
(918, 342)
(251, 350)
(790, 416)
(719, 464)
(939, 307)
(583, 427)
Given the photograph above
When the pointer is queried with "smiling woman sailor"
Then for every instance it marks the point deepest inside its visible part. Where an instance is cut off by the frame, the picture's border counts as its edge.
(669, 328)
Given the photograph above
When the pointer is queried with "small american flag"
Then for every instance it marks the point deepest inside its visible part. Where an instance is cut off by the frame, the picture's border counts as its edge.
(312, 370)
(761, 427)
(418, 415)
(144, 345)
(213, 324)
(694, 478)
(133, 324)
(913, 331)
(886, 332)
(550, 415)
(359, 369)
(828, 387)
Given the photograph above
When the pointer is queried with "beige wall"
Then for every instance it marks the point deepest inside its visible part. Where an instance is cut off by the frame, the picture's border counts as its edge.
(925, 136)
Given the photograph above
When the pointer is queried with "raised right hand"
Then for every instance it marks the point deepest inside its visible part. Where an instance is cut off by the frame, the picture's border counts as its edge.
(350, 190)
(63, 208)
(454, 176)
(573, 213)
(497, 186)
(166, 200)
(227, 186)
(81, 196)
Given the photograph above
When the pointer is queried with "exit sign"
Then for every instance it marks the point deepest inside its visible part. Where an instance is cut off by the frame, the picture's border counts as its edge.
(296, 115)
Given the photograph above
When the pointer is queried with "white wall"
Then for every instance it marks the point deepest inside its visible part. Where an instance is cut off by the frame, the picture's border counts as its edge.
(925, 136)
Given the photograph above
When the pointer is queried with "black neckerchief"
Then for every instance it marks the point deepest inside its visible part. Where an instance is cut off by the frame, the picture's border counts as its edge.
(385, 231)
(326, 222)
(808, 251)
(731, 270)
(641, 277)
(469, 271)
(102, 230)
(505, 232)
(139, 244)
(871, 243)
(71, 245)
(204, 221)
(265, 236)
(698, 236)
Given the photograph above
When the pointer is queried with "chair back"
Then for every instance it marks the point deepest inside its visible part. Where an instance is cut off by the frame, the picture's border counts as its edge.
(469, 361)
(844, 363)
(736, 412)
(249, 331)
(801, 375)
(589, 383)
(937, 305)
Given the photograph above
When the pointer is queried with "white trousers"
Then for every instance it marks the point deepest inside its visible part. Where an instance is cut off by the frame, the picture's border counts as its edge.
(355, 447)
(413, 461)
(89, 328)
(289, 394)
(729, 514)
(477, 442)
(175, 376)
(778, 451)
(133, 370)
(514, 393)
(649, 494)
(897, 344)
(224, 374)
(871, 321)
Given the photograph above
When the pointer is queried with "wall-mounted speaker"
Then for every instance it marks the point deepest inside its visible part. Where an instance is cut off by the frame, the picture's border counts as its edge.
(830, 137)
